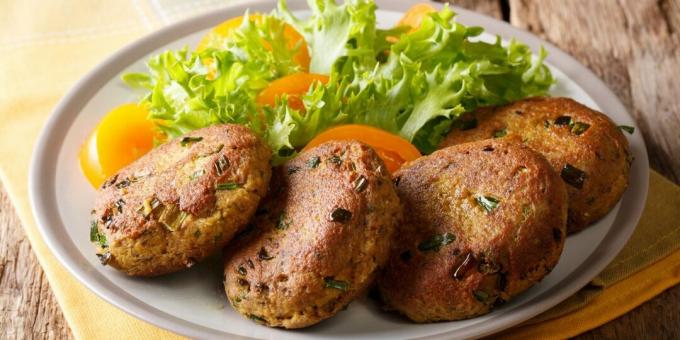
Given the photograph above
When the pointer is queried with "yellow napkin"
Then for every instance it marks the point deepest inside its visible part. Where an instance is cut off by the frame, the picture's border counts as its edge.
(46, 47)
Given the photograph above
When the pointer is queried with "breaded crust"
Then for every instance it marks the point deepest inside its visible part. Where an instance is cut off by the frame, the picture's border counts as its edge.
(483, 222)
(180, 202)
(591, 147)
(317, 241)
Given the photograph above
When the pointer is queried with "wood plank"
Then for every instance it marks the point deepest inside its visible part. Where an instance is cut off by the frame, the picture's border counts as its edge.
(633, 46)
(489, 7)
(27, 307)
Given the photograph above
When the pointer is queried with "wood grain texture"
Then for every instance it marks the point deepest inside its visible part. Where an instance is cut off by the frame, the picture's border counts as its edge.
(27, 307)
(634, 46)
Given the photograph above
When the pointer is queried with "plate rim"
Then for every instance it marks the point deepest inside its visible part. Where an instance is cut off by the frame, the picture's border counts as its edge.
(44, 208)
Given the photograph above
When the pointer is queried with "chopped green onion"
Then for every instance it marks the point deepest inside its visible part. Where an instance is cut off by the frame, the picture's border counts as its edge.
(264, 255)
(94, 232)
(627, 128)
(104, 258)
(480, 295)
(256, 318)
(96, 236)
(573, 176)
(360, 183)
(500, 133)
(578, 128)
(341, 285)
(341, 215)
(281, 223)
(487, 202)
(335, 159)
(227, 186)
(120, 203)
(436, 242)
(189, 140)
(197, 174)
(221, 164)
(314, 162)
(123, 184)
(563, 120)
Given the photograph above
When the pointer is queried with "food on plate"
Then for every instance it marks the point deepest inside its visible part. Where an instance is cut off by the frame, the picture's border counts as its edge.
(584, 146)
(411, 83)
(275, 34)
(486, 220)
(317, 241)
(414, 16)
(392, 149)
(341, 112)
(293, 86)
(122, 136)
(180, 202)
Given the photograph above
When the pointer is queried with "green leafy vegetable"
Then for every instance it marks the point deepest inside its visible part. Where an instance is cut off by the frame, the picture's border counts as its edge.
(415, 85)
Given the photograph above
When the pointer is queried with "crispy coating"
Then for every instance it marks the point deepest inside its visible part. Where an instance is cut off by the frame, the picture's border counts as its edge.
(484, 221)
(317, 241)
(566, 133)
(182, 201)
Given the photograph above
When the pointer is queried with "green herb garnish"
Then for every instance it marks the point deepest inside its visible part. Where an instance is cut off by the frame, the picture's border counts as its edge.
(123, 184)
(189, 140)
(480, 295)
(257, 318)
(627, 128)
(360, 183)
(221, 164)
(104, 258)
(281, 222)
(197, 174)
(314, 162)
(340, 215)
(227, 186)
(500, 133)
(335, 159)
(96, 236)
(573, 176)
(563, 120)
(293, 169)
(487, 202)
(435, 242)
(120, 203)
(578, 128)
(341, 285)
(264, 255)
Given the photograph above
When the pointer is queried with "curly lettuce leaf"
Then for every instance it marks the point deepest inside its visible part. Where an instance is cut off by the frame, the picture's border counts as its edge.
(412, 83)
(336, 33)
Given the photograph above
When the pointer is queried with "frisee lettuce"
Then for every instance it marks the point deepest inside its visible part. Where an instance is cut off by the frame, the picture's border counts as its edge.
(416, 85)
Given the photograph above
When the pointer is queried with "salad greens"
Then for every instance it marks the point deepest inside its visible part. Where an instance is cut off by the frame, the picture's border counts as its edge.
(412, 83)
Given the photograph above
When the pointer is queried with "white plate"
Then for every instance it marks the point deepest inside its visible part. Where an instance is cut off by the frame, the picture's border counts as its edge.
(192, 302)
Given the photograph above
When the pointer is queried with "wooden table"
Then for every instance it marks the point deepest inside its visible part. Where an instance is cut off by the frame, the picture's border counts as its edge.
(633, 45)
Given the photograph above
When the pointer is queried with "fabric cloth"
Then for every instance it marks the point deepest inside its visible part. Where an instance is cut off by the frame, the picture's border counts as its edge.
(46, 47)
